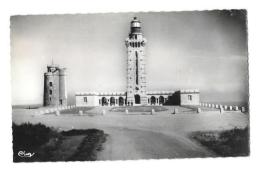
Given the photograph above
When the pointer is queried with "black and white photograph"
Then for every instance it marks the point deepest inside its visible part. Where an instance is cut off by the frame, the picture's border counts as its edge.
(130, 86)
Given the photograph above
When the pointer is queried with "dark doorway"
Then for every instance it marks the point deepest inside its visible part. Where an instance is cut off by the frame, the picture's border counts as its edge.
(104, 101)
(121, 101)
(112, 101)
(60, 101)
(153, 100)
(137, 99)
(161, 100)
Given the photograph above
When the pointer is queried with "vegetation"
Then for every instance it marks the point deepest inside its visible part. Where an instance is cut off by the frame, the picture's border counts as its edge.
(47, 144)
(227, 143)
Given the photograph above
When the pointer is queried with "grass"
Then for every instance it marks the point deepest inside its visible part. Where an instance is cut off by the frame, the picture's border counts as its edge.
(76, 110)
(51, 145)
(229, 143)
(139, 109)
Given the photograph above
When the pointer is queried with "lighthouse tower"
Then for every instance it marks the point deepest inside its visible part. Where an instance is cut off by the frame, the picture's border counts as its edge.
(55, 91)
(136, 76)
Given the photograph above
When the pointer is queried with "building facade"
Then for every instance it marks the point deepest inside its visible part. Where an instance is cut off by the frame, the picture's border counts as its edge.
(55, 88)
(136, 91)
(157, 98)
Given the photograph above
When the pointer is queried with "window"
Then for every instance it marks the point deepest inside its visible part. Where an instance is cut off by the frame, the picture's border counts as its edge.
(85, 99)
(50, 92)
(190, 97)
(50, 84)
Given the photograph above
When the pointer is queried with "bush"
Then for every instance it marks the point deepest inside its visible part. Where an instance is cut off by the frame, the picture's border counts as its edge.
(233, 142)
(28, 136)
(47, 143)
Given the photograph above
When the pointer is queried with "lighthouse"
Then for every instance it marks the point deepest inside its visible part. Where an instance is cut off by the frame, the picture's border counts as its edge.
(136, 76)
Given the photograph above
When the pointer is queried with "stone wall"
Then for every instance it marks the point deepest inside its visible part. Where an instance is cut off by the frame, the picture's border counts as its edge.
(223, 107)
(51, 109)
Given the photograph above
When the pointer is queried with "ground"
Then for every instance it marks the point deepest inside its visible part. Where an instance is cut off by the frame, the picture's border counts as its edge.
(142, 135)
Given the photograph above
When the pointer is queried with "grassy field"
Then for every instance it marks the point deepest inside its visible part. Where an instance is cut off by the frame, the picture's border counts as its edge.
(139, 109)
(47, 144)
(227, 143)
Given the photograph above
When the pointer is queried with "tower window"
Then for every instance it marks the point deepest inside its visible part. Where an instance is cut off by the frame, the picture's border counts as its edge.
(190, 97)
(85, 99)
(50, 92)
(50, 84)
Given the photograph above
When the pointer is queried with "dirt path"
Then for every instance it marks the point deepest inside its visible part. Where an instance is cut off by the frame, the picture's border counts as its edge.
(130, 144)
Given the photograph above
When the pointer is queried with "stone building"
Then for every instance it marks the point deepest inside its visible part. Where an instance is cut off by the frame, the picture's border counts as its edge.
(55, 91)
(136, 91)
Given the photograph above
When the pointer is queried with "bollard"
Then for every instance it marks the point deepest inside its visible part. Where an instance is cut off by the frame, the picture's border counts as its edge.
(243, 109)
(153, 112)
(221, 110)
(236, 108)
(217, 106)
(57, 113)
(209, 105)
(198, 110)
(80, 112)
(103, 112)
(230, 108)
(175, 111)
(126, 111)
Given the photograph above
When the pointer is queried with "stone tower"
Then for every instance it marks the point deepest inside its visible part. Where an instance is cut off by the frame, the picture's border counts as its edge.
(55, 92)
(136, 77)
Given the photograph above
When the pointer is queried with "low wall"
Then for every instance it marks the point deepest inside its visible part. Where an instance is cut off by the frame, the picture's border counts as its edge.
(224, 107)
(52, 109)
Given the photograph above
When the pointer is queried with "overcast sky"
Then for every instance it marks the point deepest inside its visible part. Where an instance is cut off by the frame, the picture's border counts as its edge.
(204, 50)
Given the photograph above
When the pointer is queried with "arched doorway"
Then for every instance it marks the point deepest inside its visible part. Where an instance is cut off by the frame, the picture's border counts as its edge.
(161, 100)
(104, 101)
(137, 99)
(153, 100)
(121, 101)
(112, 101)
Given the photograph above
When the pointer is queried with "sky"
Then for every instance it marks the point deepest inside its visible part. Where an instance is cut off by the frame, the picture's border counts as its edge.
(205, 50)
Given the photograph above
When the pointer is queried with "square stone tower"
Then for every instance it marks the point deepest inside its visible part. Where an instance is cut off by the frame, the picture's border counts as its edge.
(136, 76)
